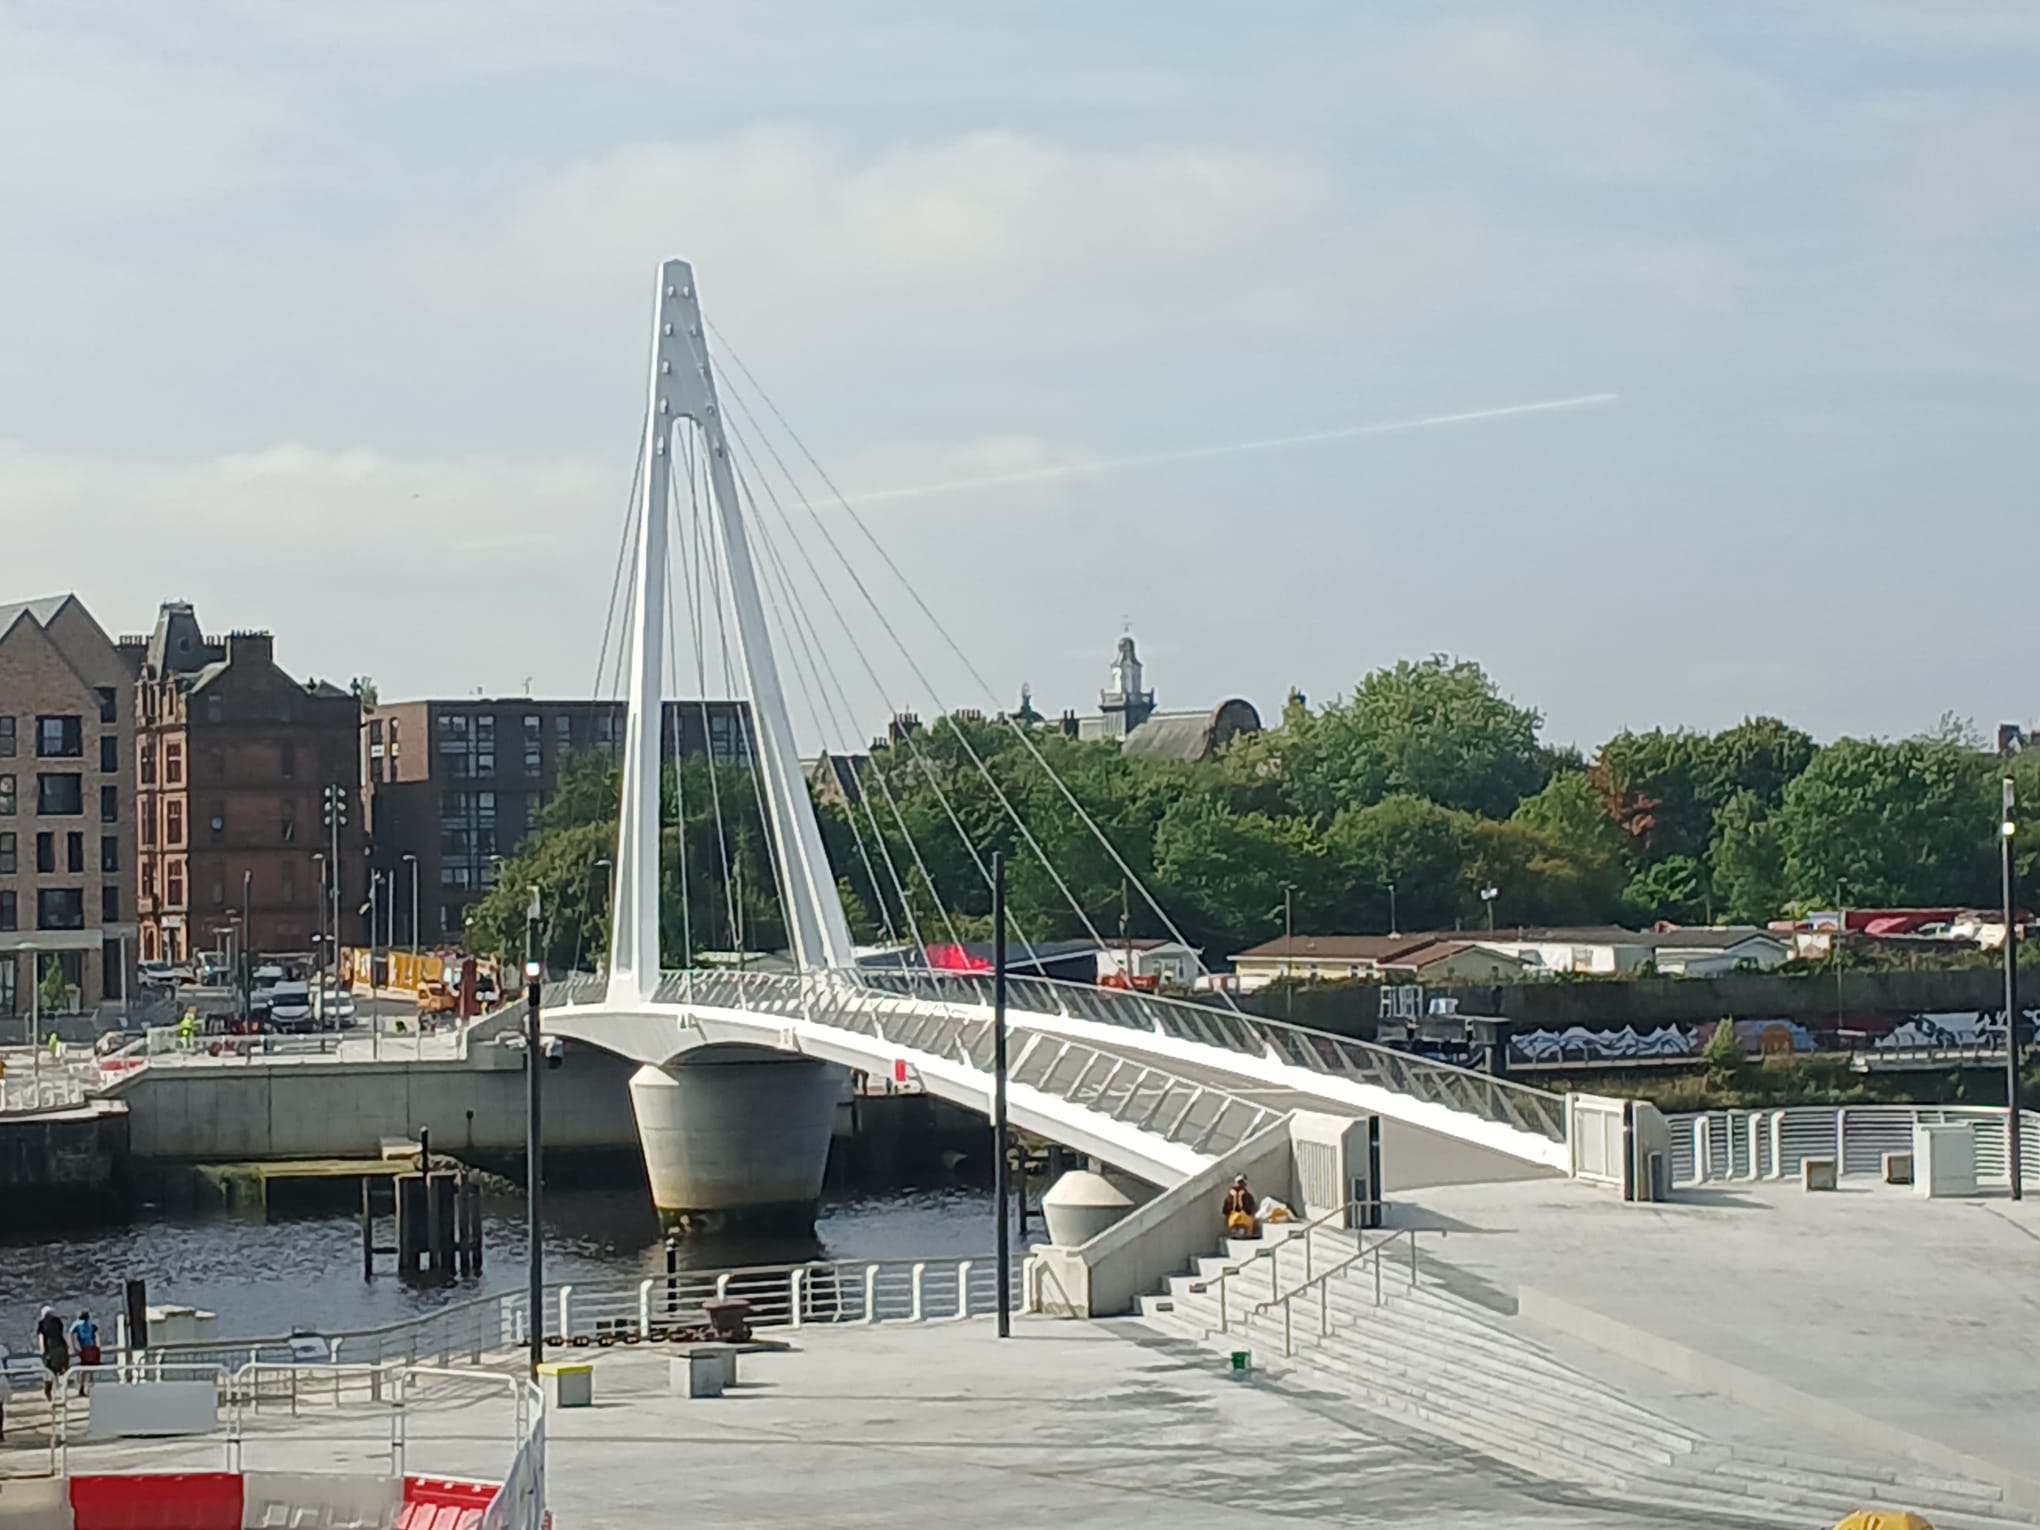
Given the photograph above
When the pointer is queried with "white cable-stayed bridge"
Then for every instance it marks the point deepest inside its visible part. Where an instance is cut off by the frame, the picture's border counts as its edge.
(731, 564)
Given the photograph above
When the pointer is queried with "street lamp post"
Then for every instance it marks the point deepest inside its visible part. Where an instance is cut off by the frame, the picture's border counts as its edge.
(412, 862)
(534, 1148)
(1001, 1188)
(1288, 950)
(1488, 894)
(1393, 922)
(247, 948)
(2008, 828)
(319, 940)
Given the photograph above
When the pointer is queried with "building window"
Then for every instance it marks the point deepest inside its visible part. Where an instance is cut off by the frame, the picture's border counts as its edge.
(605, 727)
(109, 804)
(6, 796)
(109, 852)
(60, 908)
(485, 808)
(563, 731)
(109, 904)
(375, 769)
(146, 819)
(173, 822)
(46, 853)
(147, 770)
(74, 852)
(109, 753)
(375, 730)
(59, 738)
(454, 807)
(148, 879)
(451, 921)
(454, 876)
(60, 794)
(9, 919)
(173, 884)
(215, 709)
(173, 763)
(485, 763)
(6, 738)
(289, 825)
(108, 703)
(289, 762)
(7, 854)
(290, 882)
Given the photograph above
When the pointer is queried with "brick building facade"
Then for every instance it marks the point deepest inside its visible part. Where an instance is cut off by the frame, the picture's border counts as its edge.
(66, 829)
(455, 786)
(233, 757)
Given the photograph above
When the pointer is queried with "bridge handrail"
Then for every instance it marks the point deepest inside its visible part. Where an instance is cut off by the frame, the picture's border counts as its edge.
(1270, 1250)
(1323, 1279)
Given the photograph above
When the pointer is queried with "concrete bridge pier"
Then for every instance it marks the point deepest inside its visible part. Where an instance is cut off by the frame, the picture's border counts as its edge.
(736, 1135)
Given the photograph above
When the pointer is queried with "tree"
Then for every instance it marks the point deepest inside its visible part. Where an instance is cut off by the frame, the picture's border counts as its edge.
(1760, 755)
(1653, 788)
(1906, 823)
(1671, 888)
(1437, 729)
(1226, 873)
(1415, 845)
(1748, 863)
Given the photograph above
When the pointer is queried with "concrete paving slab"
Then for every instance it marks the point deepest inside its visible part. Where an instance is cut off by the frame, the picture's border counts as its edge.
(1923, 1315)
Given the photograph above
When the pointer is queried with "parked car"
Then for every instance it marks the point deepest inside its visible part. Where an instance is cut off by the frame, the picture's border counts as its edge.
(435, 998)
(113, 1041)
(262, 984)
(290, 1006)
(154, 975)
(335, 1007)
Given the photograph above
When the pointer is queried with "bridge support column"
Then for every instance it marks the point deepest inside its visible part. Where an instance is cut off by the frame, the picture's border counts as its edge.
(739, 1139)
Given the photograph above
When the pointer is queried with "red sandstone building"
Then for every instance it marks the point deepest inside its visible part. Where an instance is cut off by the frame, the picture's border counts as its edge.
(233, 758)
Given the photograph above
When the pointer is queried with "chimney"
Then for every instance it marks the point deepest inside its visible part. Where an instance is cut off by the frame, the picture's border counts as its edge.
(251, 648)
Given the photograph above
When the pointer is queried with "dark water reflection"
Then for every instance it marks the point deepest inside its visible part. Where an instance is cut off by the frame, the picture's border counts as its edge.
(266, 1278)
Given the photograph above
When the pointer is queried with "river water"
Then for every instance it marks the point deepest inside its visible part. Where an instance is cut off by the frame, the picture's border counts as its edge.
(265, 1278)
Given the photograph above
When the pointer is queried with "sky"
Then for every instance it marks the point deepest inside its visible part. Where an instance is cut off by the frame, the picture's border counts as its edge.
(334, 320)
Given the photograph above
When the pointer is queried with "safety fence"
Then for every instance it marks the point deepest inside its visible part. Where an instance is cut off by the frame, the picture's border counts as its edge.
(27, 1088)
(265, 1436)
(621, 1312)
(1771, 1144)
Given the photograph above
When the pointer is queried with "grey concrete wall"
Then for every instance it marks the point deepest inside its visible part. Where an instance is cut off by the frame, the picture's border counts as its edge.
(1351, 1009)
(61, 1166)
(308, 1109)
(1159, 1238)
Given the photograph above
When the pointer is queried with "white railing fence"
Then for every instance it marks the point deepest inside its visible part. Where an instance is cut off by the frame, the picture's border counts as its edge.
(1771, 1144)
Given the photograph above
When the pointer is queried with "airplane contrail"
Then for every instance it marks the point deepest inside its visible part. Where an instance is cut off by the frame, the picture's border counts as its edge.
(1238, 448)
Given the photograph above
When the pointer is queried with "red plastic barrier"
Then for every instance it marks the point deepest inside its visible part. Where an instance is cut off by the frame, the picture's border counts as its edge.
(166, 1501)
(435, 1503)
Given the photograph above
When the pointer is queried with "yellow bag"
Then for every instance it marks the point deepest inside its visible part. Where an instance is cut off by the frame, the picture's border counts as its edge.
(1240, 1225)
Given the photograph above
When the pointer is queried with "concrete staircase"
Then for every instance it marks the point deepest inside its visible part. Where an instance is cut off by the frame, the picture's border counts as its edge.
(1447, 1366)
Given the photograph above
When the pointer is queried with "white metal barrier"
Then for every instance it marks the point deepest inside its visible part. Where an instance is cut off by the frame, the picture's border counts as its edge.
(1716, 1145)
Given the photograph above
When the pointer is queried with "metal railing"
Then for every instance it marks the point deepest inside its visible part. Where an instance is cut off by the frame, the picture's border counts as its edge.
(27, 1089)
(386, 1395)
(1772, 1143)
(1271, 1252)
(883, 1003)
(1322, 1282)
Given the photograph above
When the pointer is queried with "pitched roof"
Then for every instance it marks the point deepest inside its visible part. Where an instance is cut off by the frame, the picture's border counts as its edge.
(1336, 948)
(1712, 937)
(43, 611)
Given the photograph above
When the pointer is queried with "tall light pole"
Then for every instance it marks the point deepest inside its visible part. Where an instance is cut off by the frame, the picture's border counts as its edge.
(534, 1149)
(412, 862)
(1288, 950)
(319, 973)
(2008, 829)
(1001, 1189)
(247, 947)
(1392, 920)
(1488, 894)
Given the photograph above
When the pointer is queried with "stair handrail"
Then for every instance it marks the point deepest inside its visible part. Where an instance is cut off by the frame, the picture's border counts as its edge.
(1323, 1279)
(1272, 1250)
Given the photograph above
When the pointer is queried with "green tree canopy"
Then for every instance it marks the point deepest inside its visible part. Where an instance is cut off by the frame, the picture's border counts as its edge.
(1436, 729)
(1911, 822)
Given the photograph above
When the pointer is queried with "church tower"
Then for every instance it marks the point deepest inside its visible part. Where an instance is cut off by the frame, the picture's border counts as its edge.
(1125, 705)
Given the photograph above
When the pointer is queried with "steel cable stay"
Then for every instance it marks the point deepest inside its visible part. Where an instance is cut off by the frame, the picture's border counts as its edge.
(977, 676)
(833, 726)
(717, 570)
(1005, 802)
(906, 739)
(693, 553)
(775, 566)
(801, 616)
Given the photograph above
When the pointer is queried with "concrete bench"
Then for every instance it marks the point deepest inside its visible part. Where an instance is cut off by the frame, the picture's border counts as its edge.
(1898, 1168)
(703, 1371)
(1818, 1174)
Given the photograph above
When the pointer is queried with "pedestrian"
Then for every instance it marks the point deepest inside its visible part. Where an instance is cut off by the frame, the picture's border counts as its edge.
(55, 1346)
(85, 1340)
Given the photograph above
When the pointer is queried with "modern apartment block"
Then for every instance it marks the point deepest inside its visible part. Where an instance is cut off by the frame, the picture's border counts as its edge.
(455, 786)
(66, 834)
(232, 760)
